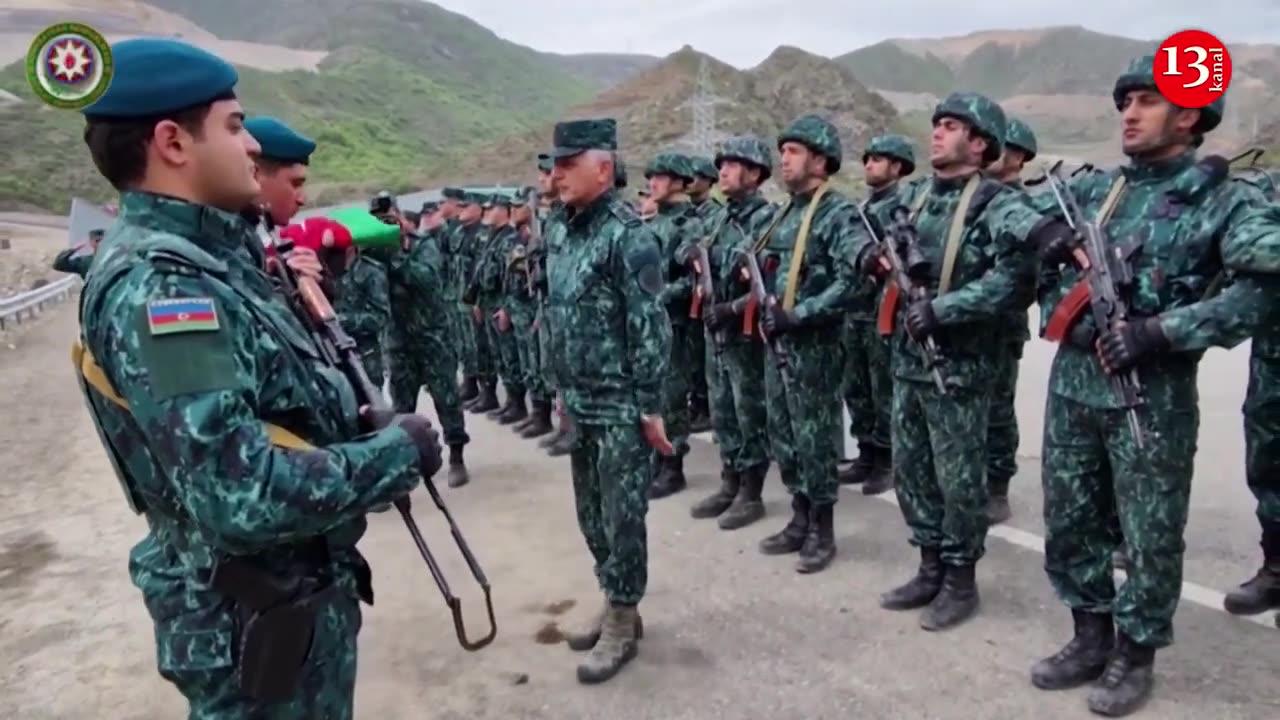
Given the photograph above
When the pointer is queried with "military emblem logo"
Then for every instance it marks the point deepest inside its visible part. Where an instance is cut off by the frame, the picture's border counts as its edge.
(69, 65)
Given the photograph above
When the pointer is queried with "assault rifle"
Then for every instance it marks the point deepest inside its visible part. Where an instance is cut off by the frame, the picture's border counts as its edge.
(908, 273)
(341, 352)
(759, 297)
(1107, 284)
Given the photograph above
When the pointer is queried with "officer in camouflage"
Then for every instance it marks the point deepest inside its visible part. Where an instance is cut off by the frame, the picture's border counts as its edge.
(1099, 484)
(813, 282)
(479, 358)
(490, 292)
(711, 211)
(868, 384)
(420, 343)
(670, 175)
(74, 260)
(612, 344)
(200, 359)
(1002, 418)
(734, 359)
(971, 234)
(522, 305)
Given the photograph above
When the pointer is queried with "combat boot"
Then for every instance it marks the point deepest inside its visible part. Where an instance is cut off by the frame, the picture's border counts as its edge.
(564, 444)
(880, 479)
(550, 440)
(586, 638)
(719, 501)
(1262, 593)
(792, 537)
(1126, 682)
(539, 420)
(998, 510)
(498, 409)
(920, 590)
(488, 399)
(861, 467)
(699, 416)
(529, 418)
(617, 645)
(670, 478)
(820, 543)
(747, 507)
(458, 475)
(1082, 659)
(516, 409)
(469, 389)
(957, 601)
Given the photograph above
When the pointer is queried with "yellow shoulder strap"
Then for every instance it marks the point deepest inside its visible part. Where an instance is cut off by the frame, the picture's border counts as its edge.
(956, 232)
(918, 203)
(763, 240)
(1111, 200)
(92, 373)
(802, 240)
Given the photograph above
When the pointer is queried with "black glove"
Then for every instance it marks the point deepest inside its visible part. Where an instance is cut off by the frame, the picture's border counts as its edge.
(1083, 335)
(1129, 343)
(718, 316)
(777, 321)
(921, 322)
(1055, 240)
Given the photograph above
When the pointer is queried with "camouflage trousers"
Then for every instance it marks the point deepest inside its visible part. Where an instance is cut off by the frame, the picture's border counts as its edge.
(803, 409)
(463, 331)
(212, 689)
(546, 368)
(735, 379)
(371, 358)
(939, 467)
(426, 357)
(1002, 418)
(486, 355)
(676, 388)
(1262, 435)
(506, 354)
(1100, 489)
(611, 472)
(699, 385)
(868, 384)
(528, 351)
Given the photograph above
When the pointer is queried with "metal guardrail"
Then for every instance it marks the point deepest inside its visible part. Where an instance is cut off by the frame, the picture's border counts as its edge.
(32, 302)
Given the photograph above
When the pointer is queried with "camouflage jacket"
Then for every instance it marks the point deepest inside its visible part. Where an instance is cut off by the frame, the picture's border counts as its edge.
(491, 261)
(448, 239)
(191, 334)
(877, 208)
(68, 261)
(1182, 227)
(465, 242)
(676, 224)
(363, 301)
(414, 279)
(610, 334)
(828, 277)
(737, 228)
(517, 291)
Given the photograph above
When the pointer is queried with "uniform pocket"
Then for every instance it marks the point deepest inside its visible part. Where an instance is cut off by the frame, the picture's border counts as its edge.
(196, 641)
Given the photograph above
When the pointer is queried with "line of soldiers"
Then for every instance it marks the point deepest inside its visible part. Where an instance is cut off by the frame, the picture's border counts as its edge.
(912, 309)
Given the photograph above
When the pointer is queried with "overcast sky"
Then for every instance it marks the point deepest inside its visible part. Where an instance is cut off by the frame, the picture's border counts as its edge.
(744, 32)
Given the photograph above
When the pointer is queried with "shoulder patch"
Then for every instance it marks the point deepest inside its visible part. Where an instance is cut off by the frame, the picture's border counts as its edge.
(624, 212)
(182, 315)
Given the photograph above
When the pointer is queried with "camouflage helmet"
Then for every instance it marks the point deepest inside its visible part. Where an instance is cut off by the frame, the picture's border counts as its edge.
(1141, 75)
(671, 163)
(819, 136)
(748, 149)
(705, 168)
(619, 173)
(896, 147)
(984, 116)
(1018, 134)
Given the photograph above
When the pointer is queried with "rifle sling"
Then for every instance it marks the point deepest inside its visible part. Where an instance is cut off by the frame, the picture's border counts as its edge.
(802, 241)
(88, 368)
(956, 233)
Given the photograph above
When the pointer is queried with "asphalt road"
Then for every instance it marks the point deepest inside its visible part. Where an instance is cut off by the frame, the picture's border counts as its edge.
(729, 632)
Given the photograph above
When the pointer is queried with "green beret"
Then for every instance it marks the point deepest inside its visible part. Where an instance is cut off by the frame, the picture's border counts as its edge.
(545, 163)
(452, 193)
(279, 141)
(704, 167)
(572, 137)
(159, 76)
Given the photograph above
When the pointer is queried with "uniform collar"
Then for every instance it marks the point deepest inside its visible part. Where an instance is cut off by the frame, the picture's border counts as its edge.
(941, 186)
(884, 191)
(1138, 170)
(746, 204)
(582, 216)
(221, 234)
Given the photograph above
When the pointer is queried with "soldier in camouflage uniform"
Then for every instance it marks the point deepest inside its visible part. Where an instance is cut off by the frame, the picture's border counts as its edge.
(550, 218)
(200, 359)
(522, 305)
(973, 270)
(677, 223)
(710, 210)
(450, 208)
(487, 287)
(612, 340)
(363, 304)
(463, 244)
(1262, 455)
(814, 280)
(420, 343)
(868, 383)
(484, 355)
(734, 359)
(1002, 419)
(72, 261)
(1099, 483)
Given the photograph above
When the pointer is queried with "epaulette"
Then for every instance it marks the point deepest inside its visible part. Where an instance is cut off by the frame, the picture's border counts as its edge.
(172, 254)
(624, 212)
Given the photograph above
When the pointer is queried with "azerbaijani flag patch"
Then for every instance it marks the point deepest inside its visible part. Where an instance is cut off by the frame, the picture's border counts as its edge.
(180, 315)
